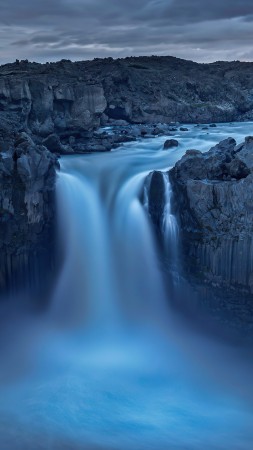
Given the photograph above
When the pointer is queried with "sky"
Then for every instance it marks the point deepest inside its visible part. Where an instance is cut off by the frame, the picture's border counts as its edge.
(200, 30)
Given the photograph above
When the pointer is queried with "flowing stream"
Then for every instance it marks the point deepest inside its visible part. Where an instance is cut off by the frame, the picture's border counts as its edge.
(109, 365)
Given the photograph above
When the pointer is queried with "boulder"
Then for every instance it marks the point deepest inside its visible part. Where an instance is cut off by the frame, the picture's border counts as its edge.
(170, 143)
(54, 145)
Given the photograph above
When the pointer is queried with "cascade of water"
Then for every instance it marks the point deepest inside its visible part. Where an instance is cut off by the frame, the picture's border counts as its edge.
(146, 192)
(169, 230)
(110, 270)
(85, 279)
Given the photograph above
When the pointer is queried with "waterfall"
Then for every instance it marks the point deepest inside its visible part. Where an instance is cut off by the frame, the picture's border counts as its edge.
(169, 222)
(146, 189)
(170, 234)
(110, 268)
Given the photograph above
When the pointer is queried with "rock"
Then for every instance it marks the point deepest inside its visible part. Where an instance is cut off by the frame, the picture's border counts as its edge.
(158, 131)
(156, 198)
(119, 123)
(212, 125)
(53, 143)
(193, 152)
(183, 129)
(170, 143)
(27, 221)
(68, 98)
(212, 195)
(244, 152)
(238, 169)
(213, 192)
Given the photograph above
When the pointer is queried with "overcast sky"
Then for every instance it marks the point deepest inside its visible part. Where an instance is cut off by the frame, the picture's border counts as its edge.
(201, 30)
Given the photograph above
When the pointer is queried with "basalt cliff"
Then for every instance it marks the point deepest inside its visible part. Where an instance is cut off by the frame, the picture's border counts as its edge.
(27, 214)
(61, 104)
(212, 200)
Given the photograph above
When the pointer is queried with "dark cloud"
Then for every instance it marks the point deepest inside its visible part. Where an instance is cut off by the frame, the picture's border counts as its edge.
(202, 30)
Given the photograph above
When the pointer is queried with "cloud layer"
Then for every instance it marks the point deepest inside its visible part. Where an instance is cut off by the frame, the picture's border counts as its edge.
(201, 30)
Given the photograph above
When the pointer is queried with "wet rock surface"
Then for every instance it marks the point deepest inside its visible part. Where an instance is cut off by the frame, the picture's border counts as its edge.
(170, 143)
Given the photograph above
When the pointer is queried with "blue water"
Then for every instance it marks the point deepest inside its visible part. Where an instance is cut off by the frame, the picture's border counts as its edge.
(109, 365)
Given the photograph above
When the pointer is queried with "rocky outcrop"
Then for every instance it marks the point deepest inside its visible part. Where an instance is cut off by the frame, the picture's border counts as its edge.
(165, 89)
(213, 194)
(45, 104)
(27, 214)
(71, 100)
(155, 202)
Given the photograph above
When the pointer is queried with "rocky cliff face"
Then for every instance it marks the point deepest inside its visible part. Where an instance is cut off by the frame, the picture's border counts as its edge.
(27, 214)
(164, 89)
(43, 102)
(73, 99)
(212, 201)
(213, 194)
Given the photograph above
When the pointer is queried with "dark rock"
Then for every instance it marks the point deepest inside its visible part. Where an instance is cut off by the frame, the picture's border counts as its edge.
(238, 169)
(69, 98)
(53, 143)
(212, 125)
(27, 220)
(244, 152)
(184, 129)
(170, 143)
(156, 198)
(212, 195)
(158, 131)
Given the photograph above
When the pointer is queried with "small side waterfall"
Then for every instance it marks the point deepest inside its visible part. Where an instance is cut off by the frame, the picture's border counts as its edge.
(157, 197)
(169, 223)
(146, 189)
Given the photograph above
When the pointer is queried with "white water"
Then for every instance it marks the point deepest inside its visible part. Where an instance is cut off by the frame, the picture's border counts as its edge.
(109, 366)
(169, 223)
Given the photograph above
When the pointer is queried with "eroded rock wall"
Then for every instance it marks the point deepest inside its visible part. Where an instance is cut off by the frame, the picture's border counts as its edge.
(213, 195)
(27, 215)
(72, 99)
